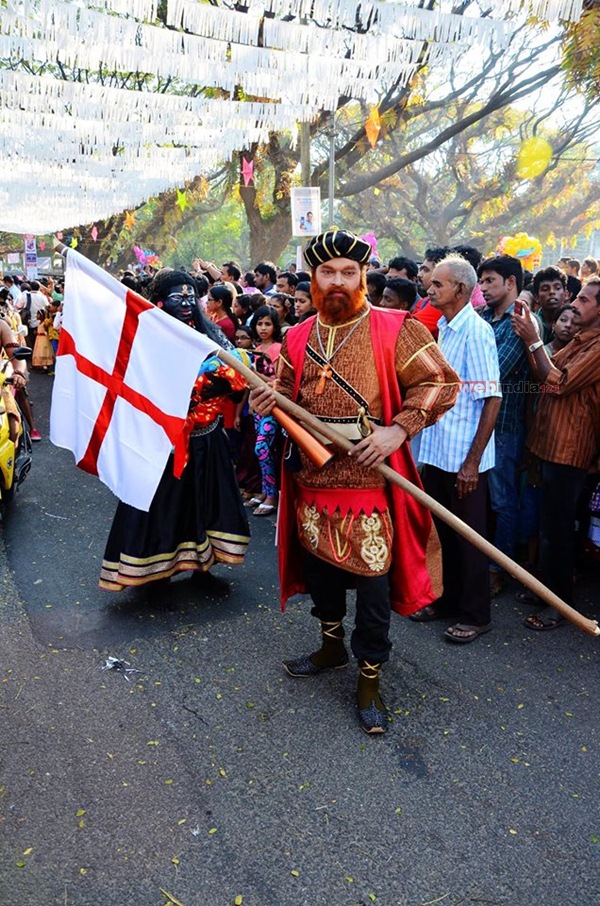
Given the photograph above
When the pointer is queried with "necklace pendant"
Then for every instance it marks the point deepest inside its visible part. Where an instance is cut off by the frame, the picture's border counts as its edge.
(323, 375)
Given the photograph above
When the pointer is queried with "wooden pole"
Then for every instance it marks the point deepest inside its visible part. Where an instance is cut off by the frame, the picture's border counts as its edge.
(514, 569)
(314, 424)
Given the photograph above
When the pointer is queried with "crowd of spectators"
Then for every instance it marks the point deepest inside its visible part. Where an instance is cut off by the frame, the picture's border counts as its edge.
(541, 503)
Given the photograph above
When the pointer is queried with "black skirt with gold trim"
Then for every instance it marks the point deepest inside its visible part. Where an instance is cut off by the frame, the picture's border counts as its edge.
(193, 521)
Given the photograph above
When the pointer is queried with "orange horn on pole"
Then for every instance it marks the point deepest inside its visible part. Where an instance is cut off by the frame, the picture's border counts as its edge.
(319, 454)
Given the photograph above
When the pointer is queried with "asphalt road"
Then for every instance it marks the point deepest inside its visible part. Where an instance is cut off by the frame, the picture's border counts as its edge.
(210, 778)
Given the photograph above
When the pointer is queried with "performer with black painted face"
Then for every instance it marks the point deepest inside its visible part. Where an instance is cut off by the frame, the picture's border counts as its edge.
(196, 517)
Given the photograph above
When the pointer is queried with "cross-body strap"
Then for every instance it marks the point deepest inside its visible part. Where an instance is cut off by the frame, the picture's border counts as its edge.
(337, 378)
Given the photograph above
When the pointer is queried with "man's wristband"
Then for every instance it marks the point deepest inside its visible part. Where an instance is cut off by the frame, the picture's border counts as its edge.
(536, 345)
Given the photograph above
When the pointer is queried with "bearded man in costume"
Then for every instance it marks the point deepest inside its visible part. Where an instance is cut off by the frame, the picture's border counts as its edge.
(196, 517)
(378, 377)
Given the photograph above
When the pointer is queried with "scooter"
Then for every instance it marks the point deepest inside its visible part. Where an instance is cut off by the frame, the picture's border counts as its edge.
(15, 456)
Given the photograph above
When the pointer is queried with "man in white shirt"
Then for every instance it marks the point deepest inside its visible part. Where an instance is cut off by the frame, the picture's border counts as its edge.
(458, 451)
(30, 302)
(12, 288)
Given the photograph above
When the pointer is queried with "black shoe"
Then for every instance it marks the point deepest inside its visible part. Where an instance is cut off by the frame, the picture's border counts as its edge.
(211, 585)
(372, 719)
(303, 666)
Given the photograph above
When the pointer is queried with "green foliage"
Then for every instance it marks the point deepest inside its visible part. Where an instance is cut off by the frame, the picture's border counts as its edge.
(581, 59)
(218, 236)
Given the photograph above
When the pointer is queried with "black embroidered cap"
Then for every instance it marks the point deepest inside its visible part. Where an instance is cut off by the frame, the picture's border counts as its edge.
(334, 243)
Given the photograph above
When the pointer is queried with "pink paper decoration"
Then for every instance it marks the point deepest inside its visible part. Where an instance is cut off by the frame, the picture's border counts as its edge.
(371, 238)
(247, 171)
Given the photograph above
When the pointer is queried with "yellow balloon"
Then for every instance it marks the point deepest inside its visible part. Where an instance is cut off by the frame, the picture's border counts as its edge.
(534, 156)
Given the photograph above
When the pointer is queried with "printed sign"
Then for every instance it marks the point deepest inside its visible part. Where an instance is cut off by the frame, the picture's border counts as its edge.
(306, 211)
(31, 263)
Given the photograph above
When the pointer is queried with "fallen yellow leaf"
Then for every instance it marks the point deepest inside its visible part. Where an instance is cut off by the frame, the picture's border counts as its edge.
(170, 897)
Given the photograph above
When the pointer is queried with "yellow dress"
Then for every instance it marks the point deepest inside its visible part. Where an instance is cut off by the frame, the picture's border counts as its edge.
(43, 356)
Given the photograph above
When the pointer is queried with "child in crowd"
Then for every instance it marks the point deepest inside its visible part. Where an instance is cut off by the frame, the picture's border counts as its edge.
(266, 332)
(55, 321)
(246, 466)
(303, 307)
(562, 331)
(42, 356)
(242, 310)
(283, 305)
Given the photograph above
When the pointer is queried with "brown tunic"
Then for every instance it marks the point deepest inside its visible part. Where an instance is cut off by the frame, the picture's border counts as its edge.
(331, 525)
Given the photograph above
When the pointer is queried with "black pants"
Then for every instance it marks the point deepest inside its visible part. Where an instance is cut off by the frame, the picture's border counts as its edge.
(465, 568)
(562, 488)
(327, 586)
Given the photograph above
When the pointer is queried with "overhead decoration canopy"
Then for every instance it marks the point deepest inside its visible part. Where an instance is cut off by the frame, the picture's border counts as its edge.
(208, 83)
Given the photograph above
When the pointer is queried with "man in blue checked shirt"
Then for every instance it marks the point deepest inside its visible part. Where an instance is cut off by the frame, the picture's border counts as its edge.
(458, 451)
(501, 281)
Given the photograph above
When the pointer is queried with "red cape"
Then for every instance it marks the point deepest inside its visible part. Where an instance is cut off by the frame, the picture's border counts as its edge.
(410, 583)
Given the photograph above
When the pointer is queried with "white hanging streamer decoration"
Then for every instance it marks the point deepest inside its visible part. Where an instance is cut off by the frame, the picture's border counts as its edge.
(398, 20)
(144, 10)
(104, 149)
(100, 41)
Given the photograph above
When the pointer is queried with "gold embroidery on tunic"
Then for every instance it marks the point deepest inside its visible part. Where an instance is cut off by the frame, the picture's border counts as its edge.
(341, 542)
(311, 525)
(374, 549)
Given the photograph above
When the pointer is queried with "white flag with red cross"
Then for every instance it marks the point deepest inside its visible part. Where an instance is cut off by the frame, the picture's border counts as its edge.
(124, 375)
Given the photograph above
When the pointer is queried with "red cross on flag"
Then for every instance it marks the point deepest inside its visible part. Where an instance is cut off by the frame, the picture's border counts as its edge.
(124, 375)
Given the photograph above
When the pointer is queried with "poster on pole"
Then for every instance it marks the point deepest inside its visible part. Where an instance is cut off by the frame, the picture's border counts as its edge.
(306, 211)
(31, 262)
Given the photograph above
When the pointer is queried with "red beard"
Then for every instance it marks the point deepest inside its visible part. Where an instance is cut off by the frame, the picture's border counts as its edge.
(336, 304)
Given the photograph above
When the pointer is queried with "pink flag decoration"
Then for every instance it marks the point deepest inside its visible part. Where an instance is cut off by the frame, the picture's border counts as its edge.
(124, 375)
(42, 245)
(94, 233)
(247, 171)
(371, 238)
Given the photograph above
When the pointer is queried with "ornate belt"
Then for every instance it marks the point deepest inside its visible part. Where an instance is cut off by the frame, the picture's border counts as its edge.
(351, 427)
(206, 429)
